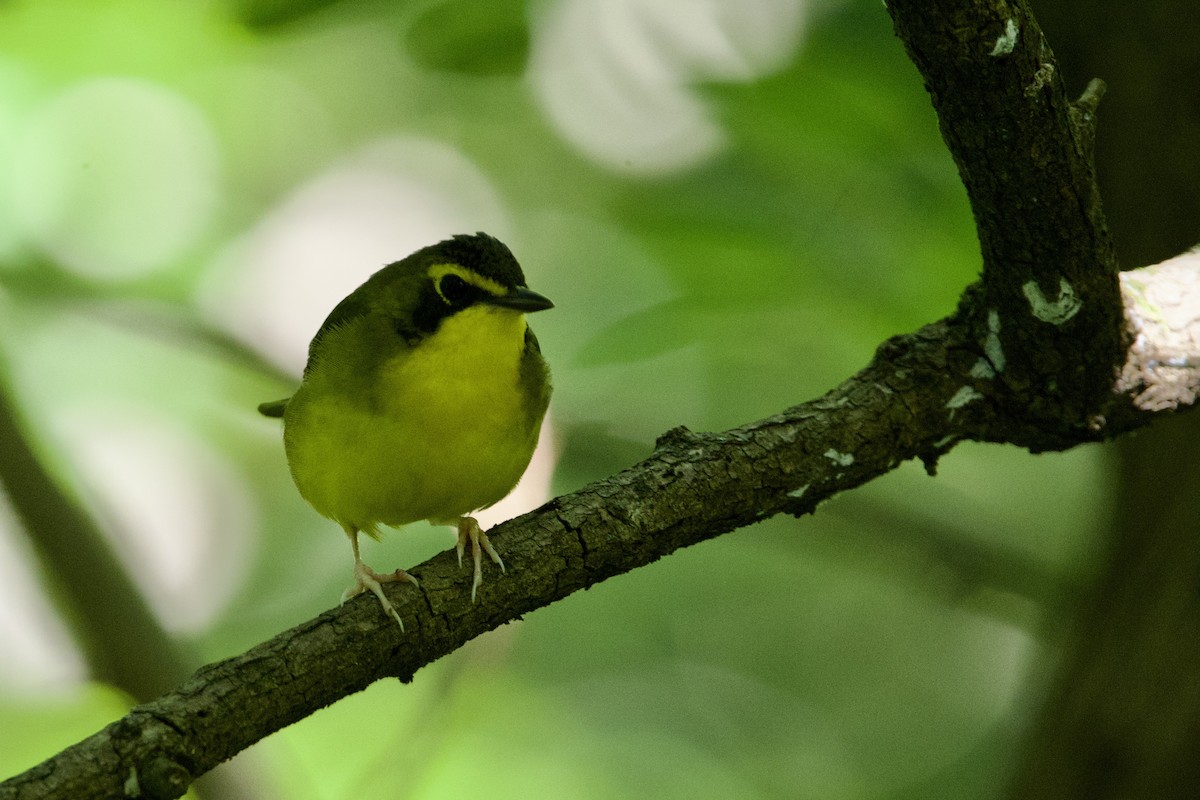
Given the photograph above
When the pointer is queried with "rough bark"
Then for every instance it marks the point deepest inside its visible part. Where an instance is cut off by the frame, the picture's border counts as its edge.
(1031, 356)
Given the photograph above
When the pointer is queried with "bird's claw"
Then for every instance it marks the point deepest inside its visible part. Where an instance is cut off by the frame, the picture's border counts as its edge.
(366, 578)
(469, 530)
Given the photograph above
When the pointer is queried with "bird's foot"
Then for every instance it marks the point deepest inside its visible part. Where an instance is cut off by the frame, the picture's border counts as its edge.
(469, 530)
(366, 578)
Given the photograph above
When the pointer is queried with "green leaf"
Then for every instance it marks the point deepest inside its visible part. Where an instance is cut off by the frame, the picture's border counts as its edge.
(267, 14)
(471, 37)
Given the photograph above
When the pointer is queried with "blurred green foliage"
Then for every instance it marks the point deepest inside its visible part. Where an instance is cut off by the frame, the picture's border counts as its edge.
(839, 656)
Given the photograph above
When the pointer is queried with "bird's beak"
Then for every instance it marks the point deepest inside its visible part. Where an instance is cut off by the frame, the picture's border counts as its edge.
(521, 299)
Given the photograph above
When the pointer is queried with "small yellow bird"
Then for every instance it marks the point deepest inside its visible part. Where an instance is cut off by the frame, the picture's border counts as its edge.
(422, 398)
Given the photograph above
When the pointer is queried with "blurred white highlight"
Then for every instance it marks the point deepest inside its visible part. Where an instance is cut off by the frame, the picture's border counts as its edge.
(277, 284)
(115, 177)
(180, 517)
(616, 76)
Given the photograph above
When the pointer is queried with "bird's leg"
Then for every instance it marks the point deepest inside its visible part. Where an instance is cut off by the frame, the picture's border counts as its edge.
(367, 578)
(469, 530)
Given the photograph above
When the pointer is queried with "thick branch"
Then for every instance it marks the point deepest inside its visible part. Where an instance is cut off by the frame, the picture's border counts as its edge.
(1024, 152)
(693, 488)
(1162, 304)
(914, 400)
(1031, 357)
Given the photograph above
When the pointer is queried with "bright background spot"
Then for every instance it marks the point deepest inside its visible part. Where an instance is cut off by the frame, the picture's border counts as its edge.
(115, 177)
(619, 79)
(180, 518)
(324, 239)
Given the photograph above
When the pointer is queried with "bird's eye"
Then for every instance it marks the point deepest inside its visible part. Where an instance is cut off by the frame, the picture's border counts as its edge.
(454, 290)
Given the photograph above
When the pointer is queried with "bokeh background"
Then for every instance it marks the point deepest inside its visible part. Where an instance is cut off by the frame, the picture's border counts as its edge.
(731, 203)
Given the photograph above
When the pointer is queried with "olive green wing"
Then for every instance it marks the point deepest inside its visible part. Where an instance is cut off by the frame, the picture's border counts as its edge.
(353, 306)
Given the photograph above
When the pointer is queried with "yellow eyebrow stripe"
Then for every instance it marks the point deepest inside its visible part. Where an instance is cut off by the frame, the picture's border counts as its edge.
(439, 271)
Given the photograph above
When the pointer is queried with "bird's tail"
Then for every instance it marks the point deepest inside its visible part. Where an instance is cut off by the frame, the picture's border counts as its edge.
(274, 408)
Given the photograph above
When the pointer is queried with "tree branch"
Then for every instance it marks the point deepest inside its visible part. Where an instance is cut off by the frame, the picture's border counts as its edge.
(1031, 357)
(1024, 153)
(1163, 314)
(694, 487)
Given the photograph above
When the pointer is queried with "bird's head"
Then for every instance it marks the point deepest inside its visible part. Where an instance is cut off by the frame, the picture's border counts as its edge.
(461, 273)
(411, 299)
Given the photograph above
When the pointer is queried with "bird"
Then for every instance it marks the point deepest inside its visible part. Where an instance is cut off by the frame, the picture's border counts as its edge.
(422, 399)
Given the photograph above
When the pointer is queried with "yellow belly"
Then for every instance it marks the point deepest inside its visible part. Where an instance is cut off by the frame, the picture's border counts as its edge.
(441, 431)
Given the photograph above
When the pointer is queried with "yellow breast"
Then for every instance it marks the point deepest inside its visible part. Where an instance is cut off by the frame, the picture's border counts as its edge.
(441, 430)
